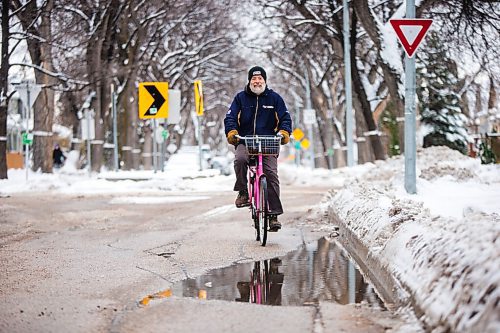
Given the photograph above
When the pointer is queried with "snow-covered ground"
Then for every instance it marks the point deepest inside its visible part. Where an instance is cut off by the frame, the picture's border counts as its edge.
(442, 244)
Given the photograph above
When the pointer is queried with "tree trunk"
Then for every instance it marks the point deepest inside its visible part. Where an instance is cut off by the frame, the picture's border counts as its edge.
(391, 77)
(4, 84)
(319, 100)
(373, 141)
(41, 55)
(44, 107)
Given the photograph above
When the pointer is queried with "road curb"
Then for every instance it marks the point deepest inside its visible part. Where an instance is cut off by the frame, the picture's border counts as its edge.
(390, 289)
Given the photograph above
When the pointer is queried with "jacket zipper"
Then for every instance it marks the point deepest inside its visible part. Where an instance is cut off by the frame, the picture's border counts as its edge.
(255, 117)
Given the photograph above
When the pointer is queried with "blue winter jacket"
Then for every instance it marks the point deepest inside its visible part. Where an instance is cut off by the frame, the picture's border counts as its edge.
(265, 114)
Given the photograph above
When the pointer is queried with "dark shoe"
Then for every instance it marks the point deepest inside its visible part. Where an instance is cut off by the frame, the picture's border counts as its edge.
(274, 225)
(242, 199)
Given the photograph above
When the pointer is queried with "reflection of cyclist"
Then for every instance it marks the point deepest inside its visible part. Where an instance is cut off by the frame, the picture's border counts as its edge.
(244, 289)
(265, 284)
(258, 110)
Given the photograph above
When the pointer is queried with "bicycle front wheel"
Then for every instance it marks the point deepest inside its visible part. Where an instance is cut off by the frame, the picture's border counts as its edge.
(262, 211)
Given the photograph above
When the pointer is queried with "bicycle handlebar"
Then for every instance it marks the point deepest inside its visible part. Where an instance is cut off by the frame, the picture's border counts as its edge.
(252, 137)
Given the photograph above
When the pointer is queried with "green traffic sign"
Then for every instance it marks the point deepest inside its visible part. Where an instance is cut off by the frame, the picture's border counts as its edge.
(165, 134)
(297, 145)
(330, 151)
(27, 139)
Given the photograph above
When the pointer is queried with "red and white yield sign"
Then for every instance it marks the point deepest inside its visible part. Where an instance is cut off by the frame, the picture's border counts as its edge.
(411, 32)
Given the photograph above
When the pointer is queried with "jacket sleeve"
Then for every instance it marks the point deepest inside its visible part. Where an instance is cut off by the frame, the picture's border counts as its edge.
(231, 120)
(284, 118)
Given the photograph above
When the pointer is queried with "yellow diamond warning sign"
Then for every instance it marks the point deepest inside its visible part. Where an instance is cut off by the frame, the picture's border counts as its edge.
(153, 100)
(305, 144)
(298, 134)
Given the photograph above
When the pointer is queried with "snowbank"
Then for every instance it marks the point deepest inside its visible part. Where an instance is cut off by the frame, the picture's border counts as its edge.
(442, 244)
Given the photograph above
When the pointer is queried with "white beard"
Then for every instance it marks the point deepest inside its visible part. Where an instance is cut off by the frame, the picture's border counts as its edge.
(258, 90)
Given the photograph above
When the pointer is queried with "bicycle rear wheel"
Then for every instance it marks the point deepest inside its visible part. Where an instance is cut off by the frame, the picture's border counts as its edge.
(262, 212)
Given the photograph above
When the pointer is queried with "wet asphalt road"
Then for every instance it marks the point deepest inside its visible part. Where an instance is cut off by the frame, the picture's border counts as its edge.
(84, 263)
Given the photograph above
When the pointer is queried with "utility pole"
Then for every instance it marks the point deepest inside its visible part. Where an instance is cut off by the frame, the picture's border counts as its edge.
(348, 92)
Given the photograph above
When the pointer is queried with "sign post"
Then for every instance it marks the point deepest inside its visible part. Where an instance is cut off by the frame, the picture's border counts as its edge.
(297, 135)
(410, 32)
(153, 104)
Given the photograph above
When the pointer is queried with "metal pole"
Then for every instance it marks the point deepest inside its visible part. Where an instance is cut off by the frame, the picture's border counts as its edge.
(115, 127)
(89, 161)
(297, 120)
(162, 159)
(410, 115)
(27, 154)
(200, 141)
(351, 277)
(154, 146)
(310, 127)
(348, 92)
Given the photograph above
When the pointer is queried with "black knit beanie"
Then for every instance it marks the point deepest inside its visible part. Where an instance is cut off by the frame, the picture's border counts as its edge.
(257, 70)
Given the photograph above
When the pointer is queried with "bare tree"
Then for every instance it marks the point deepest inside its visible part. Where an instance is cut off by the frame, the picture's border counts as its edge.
(4, 85)
(37, 25)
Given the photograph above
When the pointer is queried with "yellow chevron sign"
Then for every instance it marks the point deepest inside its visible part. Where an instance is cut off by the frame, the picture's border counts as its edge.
(198, 97)
(153, 100)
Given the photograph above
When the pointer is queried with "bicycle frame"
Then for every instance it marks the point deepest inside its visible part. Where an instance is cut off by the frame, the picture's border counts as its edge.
(258, 146)
(255, 172)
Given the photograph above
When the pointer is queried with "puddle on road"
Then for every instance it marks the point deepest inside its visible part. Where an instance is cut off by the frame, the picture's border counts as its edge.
(318, 271)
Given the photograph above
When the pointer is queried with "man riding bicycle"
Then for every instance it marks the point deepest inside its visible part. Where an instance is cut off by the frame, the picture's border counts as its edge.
(258, 110)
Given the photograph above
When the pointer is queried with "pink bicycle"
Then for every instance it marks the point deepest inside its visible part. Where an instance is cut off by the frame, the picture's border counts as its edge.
(257, 147)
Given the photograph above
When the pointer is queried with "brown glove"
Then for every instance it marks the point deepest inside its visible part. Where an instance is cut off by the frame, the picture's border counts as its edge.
(231, 137)
(286, 137)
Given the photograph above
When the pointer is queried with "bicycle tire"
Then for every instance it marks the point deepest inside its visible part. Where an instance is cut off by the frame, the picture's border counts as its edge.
(262, 216)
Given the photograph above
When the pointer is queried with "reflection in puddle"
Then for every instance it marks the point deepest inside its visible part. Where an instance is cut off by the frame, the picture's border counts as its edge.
(162, 294)
(316, 272)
